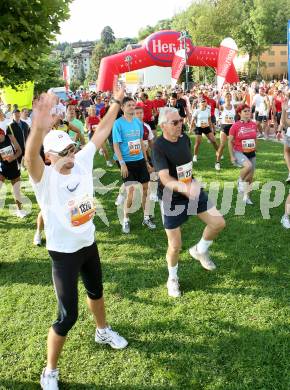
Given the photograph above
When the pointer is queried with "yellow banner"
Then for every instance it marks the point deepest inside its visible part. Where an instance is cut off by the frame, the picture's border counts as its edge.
(23, 96)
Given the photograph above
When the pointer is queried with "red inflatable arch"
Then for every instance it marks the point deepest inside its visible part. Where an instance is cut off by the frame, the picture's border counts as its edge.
(158, 49)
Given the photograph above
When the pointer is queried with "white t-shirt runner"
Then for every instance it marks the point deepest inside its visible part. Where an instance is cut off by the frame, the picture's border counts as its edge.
(261, 105)
(228, 116)
(66, 203)
(202, 117)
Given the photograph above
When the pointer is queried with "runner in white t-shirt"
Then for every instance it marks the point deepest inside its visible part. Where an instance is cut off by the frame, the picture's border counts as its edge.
(261, 103)
(65, 192)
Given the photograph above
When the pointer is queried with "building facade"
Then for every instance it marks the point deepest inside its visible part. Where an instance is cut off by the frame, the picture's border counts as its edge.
(79, 63)
(274, 62)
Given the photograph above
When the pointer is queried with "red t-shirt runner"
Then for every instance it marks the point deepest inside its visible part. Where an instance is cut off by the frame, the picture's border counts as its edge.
(278, 101)
(159, 103)
(147, 108)
(245, 135)
(92, 121)
(212, 104)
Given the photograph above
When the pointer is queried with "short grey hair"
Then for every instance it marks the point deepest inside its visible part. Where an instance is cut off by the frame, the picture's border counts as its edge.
(163, 113)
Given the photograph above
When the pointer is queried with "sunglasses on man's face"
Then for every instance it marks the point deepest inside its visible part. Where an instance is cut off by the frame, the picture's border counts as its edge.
(176, 122)
(66, 151)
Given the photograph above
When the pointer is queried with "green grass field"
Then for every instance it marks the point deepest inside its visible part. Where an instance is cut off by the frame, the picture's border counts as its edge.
(228, 331)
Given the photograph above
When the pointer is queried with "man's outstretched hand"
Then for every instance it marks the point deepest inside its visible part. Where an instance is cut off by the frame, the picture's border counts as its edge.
(42, 120)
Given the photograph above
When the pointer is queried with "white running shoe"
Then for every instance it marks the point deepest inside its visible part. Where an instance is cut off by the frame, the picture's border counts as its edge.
(285, 221)
(194, 158)
(101, 152)
(49, 381)
(173, 288)
(109, 164)
(217, 166)
(110, 337)
(21, 213)
(126, 227)
(203, 258)
(149, 223)
(37, 239)
(120, 200)
(288, 178)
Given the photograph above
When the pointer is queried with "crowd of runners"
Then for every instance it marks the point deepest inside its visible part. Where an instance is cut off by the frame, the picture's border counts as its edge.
(56, 143)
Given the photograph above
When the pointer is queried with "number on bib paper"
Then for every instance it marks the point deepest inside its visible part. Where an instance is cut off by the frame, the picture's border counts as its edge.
(248, 145)
(6, 152)
(81, 210)
(203, 124)
(229, 119)
(134, 147)
(184, 172)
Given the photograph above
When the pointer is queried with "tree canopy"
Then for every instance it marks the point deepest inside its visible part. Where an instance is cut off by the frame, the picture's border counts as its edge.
(27, 29)
(107, 35)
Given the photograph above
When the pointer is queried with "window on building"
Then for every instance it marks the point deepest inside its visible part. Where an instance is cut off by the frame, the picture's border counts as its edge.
(271, 53)
(283, 64)
(271, 64)
(283, 52)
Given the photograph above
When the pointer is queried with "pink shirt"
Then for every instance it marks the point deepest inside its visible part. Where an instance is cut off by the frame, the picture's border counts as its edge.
(245, 135)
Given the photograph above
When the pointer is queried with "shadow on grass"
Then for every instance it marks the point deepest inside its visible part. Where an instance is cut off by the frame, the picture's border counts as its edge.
(231, 357)
(16, 385)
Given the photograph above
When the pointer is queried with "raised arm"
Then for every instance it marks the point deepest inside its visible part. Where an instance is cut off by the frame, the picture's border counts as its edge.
(41, 124)
(104, 128)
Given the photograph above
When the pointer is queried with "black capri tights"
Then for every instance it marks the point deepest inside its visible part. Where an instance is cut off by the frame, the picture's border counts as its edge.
(66, 268)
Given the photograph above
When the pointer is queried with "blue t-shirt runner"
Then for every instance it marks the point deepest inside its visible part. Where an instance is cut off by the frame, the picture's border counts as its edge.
(128, 135)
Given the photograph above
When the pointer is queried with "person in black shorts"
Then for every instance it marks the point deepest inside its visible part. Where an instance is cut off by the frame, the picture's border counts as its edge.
(201, 122)
(228, 114)
(180, 104)
(181, 195)
(10, 152)
(130, 156)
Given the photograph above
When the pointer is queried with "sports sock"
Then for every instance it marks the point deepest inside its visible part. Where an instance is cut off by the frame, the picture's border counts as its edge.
(172, 271)
(203, 245)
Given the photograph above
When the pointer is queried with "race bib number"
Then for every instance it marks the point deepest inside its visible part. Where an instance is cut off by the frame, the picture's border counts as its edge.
(81, 210)
(203, 124)
(6, 152)
(248, 145)
(229, 119)
(134, 147)
(184, 172)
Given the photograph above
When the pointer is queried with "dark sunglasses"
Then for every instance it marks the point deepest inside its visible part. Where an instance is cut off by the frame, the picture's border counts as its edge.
(176, 122)
(65, 152)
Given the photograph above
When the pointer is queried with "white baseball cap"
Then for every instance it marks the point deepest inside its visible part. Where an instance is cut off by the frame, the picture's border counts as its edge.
(56, 141)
